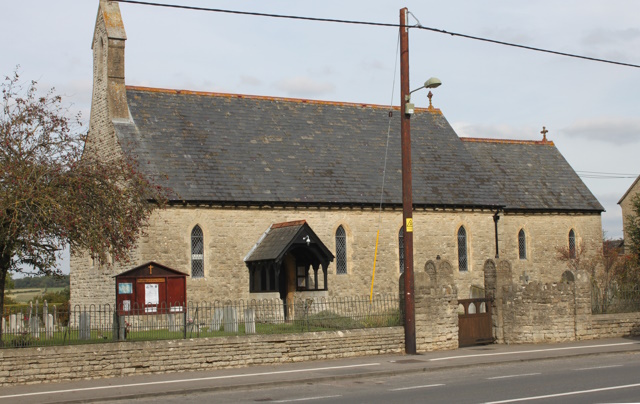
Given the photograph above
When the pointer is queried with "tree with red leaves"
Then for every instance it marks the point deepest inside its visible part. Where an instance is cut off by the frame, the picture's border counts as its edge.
(52, 194)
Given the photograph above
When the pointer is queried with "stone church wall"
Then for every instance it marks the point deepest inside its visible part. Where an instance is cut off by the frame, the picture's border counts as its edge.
(229, 234)
(545, 233)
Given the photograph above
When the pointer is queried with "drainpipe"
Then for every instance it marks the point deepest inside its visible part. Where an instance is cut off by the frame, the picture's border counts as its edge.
(496, 217)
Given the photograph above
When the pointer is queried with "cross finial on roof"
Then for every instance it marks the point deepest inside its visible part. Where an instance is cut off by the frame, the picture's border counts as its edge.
(430, 95)
(544, 134)
(150, 269)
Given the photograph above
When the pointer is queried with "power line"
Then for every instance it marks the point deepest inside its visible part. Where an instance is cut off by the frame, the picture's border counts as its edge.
(379, 24)
(604, 173)
(600, 177)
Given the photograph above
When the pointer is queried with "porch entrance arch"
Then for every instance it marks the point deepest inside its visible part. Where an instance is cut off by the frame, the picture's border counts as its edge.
(288, 258)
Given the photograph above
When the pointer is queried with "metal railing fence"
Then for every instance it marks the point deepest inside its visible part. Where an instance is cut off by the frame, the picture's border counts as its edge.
(615, 299)
(105, 323)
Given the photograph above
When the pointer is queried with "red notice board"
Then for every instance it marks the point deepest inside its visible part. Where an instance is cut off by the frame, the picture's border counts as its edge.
(151, 288)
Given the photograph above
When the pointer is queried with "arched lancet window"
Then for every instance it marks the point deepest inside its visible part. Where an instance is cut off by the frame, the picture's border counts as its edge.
(341, 251)
(463, 262)
(572, 244)
(522, 245)
(401, 249)
(197, 253)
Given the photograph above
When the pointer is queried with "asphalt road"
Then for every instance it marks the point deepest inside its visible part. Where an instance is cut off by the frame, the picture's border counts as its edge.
(583, 371)
(591, 379)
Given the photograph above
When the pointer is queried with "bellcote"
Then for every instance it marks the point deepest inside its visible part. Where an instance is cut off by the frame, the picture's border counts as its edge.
(108, 58)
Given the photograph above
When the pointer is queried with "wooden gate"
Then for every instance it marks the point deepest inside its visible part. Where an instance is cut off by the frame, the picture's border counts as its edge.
(474, 325)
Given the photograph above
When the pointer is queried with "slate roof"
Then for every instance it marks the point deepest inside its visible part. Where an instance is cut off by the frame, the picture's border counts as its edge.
(532, 175)
(235, 149)
(159, 270)
(231, 148)
(275, 243)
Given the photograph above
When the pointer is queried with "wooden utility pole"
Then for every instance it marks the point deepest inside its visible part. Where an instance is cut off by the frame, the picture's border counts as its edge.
(407, 199)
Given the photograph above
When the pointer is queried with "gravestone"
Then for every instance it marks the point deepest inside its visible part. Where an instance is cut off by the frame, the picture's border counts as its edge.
(218, 315)
(48, 326)
(13, 324)
(249, 321)
(45, 320)
(119, 327)
(171, 322)
(114, 326)
(122, 328)
(230, 319)
(34, 326)
(85, 325)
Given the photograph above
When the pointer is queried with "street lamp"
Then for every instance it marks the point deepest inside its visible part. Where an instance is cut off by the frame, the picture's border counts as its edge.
(433, 82)
(407, 202)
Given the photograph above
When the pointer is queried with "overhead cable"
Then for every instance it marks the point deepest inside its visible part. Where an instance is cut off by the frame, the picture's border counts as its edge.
(379, 24)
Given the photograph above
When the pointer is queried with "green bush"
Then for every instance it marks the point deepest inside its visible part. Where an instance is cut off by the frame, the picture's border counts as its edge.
(328, 319)
(62, 296)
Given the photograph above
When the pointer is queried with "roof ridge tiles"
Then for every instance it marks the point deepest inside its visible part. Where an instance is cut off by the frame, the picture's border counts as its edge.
(271, 98)
(288, 224)
(507, 141)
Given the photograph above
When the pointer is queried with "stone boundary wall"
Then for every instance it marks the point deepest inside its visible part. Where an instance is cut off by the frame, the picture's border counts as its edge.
(611, 326)
(537, 313)
(65, 363)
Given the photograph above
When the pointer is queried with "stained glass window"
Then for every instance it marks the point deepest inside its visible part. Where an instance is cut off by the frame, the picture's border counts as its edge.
(197, 253)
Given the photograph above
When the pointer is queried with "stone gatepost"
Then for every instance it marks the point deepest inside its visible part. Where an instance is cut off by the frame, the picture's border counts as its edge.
(582, 296)
(497, 275)
(436, 307)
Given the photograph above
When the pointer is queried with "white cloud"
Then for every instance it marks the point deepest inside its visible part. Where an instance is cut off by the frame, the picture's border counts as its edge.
(614, 44)
(512, 35)
(374, 64)
(304, 86)
(602, 37)
(615, 130)
(250, 80)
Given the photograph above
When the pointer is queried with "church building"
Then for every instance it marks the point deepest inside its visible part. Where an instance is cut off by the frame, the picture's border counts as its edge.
(274, 197)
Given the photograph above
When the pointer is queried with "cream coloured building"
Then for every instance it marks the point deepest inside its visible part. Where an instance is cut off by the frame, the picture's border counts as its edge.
(243, 168)
(626, 204)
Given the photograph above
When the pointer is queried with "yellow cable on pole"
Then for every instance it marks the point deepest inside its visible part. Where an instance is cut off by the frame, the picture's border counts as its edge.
(375, 255)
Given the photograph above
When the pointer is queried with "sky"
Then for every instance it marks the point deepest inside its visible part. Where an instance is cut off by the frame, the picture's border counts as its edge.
(591, 109)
